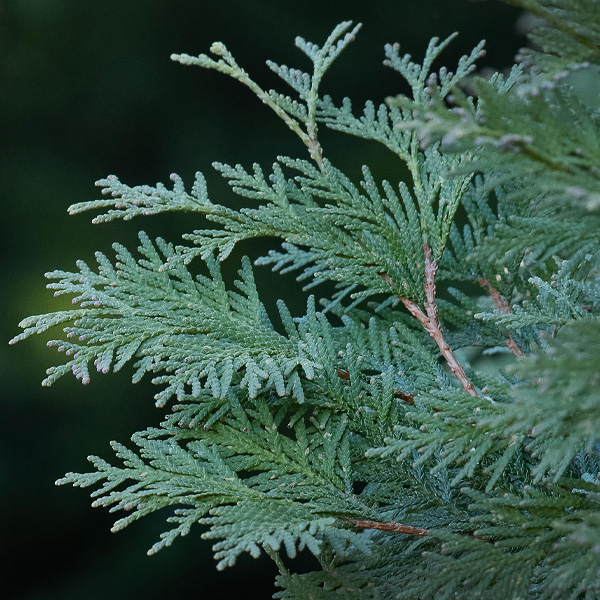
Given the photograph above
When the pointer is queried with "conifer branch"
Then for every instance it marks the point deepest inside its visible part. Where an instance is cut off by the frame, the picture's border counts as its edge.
(504, 306)
(394, 527)
(299, 116)
(229, 66)
(315, 434)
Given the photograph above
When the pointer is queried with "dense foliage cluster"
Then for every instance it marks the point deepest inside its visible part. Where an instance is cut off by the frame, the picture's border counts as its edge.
(363, 431)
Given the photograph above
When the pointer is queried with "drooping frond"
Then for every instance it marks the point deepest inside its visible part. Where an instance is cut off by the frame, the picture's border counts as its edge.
(291, 492)
(351, 231)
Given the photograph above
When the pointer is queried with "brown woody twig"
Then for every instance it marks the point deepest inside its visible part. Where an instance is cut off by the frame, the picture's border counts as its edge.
(429, 320)
(394, 527)
(504, 306)
(391, 526)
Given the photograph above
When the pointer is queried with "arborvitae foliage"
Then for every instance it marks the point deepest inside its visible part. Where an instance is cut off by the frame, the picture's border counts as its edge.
(360, 431)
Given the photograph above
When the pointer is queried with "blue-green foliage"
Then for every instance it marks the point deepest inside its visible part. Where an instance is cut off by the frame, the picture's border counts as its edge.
(193, 329)
(344, 432)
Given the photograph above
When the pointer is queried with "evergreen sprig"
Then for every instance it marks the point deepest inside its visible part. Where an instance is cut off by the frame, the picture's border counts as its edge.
(431, 429)
(191, 328)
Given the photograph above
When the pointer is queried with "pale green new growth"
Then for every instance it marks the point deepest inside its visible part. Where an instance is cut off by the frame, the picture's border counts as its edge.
(144, 199)
(299, 116)
(431, 430)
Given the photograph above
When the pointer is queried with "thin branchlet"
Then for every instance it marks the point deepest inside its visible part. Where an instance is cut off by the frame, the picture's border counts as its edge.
(392, 526)
(504, 306)
(430, 321)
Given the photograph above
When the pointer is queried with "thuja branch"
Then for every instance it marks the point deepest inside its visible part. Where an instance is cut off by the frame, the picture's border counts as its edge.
(430, 321)
(229, 66)
(504, 306)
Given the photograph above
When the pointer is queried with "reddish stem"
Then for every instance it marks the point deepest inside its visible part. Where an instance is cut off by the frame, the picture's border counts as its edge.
(504, 306)
(429, 320)
(391, 526)
(394, 527)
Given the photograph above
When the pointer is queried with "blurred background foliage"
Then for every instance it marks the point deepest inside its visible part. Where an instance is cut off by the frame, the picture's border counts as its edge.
(87, 89)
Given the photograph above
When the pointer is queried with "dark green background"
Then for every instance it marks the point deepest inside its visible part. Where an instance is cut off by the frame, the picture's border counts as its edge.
(87, 89)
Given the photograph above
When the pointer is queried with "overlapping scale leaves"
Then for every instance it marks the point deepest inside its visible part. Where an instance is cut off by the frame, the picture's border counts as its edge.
(126, 202)
(189, 332)
(254, 486)
(341, 432)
